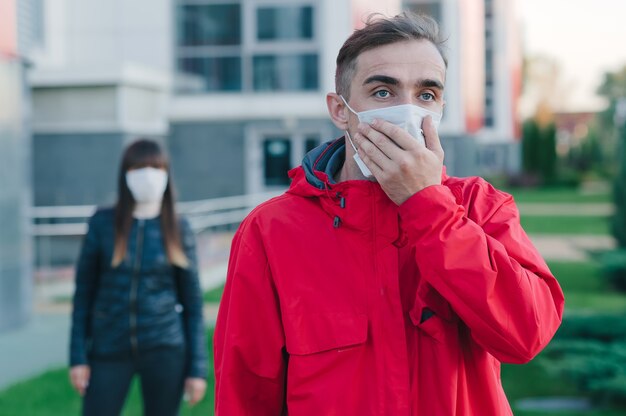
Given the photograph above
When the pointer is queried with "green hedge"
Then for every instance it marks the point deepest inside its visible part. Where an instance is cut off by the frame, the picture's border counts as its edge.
(590, 351)
(614, 268)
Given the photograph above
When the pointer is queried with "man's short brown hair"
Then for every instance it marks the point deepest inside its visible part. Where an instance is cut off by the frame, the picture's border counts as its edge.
(379, 31)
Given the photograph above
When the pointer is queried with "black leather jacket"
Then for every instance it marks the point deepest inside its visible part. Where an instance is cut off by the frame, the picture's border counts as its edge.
(143, 303)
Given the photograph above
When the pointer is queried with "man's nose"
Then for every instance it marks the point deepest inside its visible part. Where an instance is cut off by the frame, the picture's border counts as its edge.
(407, 98)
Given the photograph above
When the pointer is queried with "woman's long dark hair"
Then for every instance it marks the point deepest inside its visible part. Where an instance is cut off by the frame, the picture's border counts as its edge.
(146, 153)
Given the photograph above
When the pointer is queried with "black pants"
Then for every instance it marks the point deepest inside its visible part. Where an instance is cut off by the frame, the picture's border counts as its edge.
(162, 375)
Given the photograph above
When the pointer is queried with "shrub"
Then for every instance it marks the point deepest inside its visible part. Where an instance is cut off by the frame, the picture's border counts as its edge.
(604, 328)
(614, 268)
(590, 351)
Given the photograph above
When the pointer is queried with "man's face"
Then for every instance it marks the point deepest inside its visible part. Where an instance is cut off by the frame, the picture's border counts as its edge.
(407, 72)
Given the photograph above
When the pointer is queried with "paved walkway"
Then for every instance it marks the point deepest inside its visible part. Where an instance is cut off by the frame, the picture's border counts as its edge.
(571, 247)
(566, 209)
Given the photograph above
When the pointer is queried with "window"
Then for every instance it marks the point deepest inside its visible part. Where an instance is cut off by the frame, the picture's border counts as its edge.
(216, 24)
(211, 74)
(284, 23)
(311, 143)
(277, 157)
(39, 24)
(285, 72)
(246, 46)
(430, 8)
(271, 153)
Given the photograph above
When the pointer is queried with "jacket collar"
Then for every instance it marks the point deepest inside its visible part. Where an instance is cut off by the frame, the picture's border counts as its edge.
(359, 205)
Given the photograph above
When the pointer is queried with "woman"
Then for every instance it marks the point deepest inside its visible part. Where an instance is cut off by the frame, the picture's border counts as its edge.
(137, 307)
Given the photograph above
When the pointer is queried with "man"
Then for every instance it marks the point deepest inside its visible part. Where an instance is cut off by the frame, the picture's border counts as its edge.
(394, 295)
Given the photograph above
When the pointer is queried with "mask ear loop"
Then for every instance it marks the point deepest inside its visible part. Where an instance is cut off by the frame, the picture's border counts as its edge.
(347, 133)
(348, 105)
(350, 140)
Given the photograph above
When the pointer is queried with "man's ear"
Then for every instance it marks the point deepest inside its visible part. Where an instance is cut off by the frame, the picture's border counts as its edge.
(337, 110)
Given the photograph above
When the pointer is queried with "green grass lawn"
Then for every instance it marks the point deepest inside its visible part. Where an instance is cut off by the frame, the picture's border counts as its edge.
(570, 413)
(560, 224)
(586, 225)
(579, 277)
(531, 380)
(559, 195)
(51, 394)
(585, 288)
(214, 295)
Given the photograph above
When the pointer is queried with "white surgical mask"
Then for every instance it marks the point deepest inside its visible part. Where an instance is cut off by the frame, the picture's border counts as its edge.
(147, 184)
(359, 162)
(406, 116)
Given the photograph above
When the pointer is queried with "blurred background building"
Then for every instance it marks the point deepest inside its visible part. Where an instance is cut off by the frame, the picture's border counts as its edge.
(16, 36)
(235, 90)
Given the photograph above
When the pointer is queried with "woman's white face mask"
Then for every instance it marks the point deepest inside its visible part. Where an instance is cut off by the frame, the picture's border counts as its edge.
(409, 117)
(147, 184)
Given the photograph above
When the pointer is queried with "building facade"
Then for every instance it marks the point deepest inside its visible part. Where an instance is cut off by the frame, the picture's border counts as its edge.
(15, 186)
(235, 89)
(481, 124)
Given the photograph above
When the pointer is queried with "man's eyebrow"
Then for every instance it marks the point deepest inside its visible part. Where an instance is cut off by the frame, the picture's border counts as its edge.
(385, 79)
(381, 78)
(429, 83)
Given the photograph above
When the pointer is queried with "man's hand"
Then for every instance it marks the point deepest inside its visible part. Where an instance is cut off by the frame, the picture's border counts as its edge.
(194, 389)
(401, 165)
(79, 377)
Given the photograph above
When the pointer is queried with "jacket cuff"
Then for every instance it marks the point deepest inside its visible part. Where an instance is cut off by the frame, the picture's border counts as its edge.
(197, 370)
(78, 359)
(423, 208)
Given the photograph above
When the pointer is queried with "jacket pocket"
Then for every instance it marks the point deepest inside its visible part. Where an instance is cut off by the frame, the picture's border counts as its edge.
(313, 333)
(431, 313)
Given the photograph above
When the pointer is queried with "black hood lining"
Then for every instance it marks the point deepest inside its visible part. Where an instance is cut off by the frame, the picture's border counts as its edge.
(318, 160)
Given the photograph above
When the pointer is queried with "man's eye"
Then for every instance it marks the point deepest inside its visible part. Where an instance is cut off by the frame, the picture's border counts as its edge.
(426, 96)
(382, 94)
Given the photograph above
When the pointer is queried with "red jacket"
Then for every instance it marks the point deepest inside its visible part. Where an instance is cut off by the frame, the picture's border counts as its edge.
(339, 303)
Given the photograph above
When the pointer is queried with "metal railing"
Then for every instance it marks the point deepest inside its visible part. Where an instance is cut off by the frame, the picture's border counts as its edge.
(58, 230)
(55, 221)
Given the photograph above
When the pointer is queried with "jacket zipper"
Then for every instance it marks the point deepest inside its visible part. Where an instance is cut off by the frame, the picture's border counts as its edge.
(133, 287)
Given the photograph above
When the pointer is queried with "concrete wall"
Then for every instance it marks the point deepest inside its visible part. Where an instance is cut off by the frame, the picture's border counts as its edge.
(466, 156)
(207, 159)
(76, 169)
(95, 34)
(15, 197)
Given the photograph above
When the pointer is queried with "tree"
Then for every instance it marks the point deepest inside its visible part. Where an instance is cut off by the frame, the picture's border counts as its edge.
(548, 153)
(619, 191)
(539, 149)
(613, 119)
(530, 146)
(613, 89)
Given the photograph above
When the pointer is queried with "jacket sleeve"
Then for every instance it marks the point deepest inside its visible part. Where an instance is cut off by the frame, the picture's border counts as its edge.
(249, 343)
(86, 281)
(190, 296)
(471, 248)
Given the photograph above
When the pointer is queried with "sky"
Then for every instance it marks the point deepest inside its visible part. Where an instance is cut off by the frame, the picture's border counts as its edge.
(586, 37)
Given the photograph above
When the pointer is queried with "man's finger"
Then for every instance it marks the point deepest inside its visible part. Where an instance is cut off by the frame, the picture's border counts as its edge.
(396, 134)
(431, 137)
(370, 154)
(386, 145)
